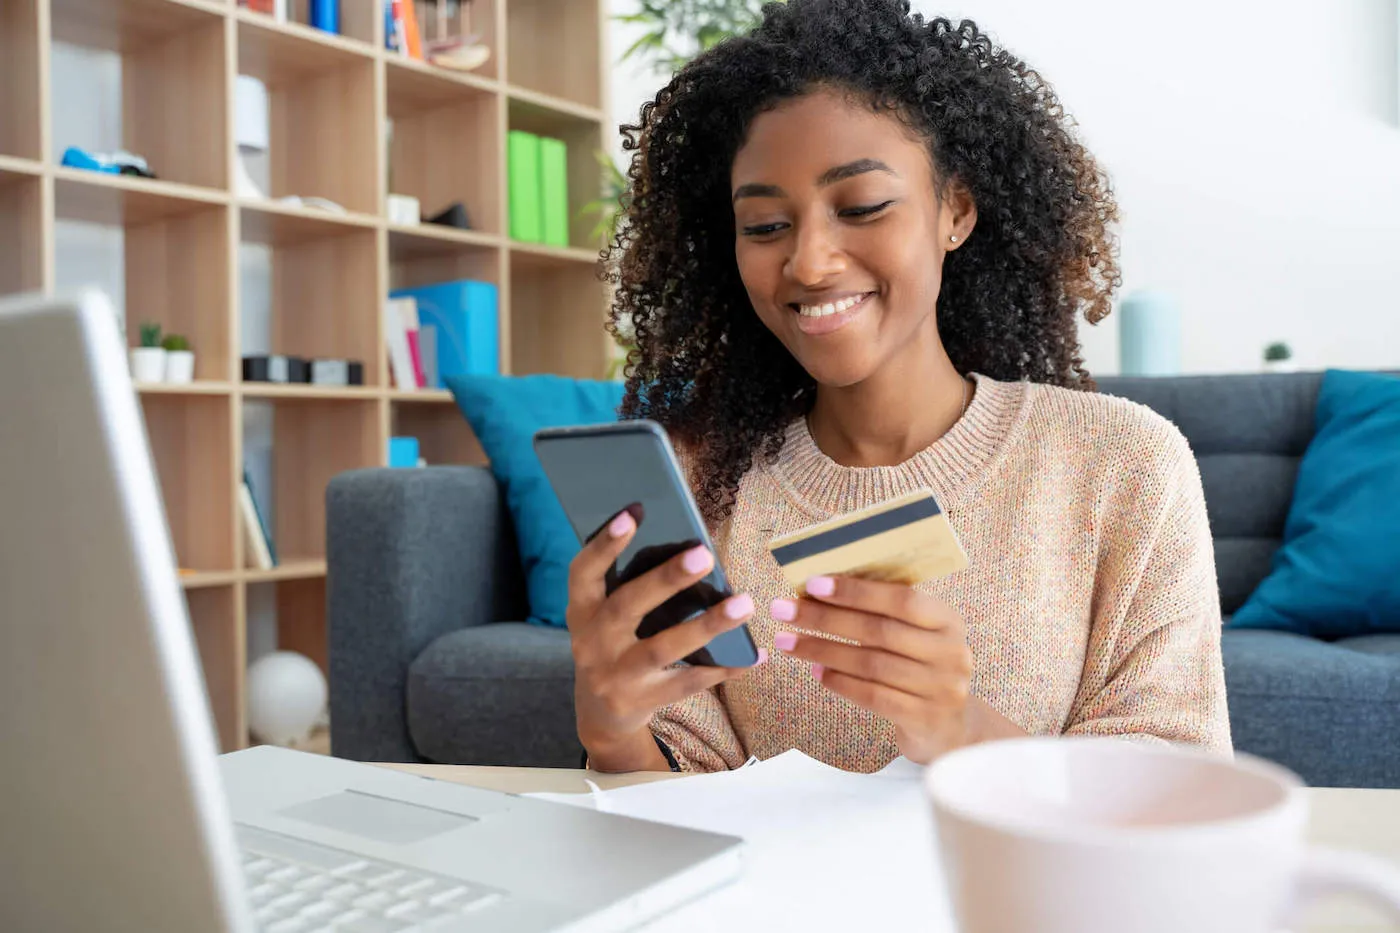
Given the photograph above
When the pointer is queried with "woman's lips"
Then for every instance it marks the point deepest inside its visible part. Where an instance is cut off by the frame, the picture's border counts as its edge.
(830, 323)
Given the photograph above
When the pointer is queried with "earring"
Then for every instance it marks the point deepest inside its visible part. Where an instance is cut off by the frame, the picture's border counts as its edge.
(953, 239)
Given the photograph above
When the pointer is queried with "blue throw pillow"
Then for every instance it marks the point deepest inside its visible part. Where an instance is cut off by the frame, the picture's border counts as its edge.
(1338, 571)
(505, 412)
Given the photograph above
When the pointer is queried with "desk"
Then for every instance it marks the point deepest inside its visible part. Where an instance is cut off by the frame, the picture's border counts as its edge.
(1365, 820)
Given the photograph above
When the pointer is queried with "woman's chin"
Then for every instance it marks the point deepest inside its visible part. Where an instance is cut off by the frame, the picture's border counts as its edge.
(835, 371)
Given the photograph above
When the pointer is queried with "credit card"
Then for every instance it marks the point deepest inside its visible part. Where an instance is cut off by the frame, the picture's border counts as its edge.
(904, 540)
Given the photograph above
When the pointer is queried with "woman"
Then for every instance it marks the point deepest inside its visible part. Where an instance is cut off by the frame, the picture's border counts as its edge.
(854, 258)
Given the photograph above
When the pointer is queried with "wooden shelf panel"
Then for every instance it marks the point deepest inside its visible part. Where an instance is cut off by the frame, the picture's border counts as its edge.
(201, 579)
(275, 390)
(198, 387)
(274, 224)
(534, 256)
(22, 258)
(548, 112)
(417, 242)
(280, 53)
(13, 166)
(412, 85)
(124, 25)
(420, 396)
(288, 570)
(21, 111)
(216, 616)
(190, 437)
(125, 200)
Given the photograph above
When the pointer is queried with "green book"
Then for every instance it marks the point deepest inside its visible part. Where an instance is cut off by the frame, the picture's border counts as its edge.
(554, 190)
(523, 163)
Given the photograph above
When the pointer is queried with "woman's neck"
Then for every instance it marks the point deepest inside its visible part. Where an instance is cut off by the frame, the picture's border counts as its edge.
(910, 403)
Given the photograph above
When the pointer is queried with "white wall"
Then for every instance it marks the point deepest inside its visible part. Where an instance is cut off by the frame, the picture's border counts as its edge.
(1255, 152)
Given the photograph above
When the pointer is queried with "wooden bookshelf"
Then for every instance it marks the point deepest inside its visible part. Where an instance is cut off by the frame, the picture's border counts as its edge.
(330, 99)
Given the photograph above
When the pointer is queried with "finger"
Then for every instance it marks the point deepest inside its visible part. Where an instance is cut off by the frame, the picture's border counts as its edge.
(896, 600)
(588, 570)
(681, 682)
(920, 678)
(874, 631)
(900, 708)
(680, 641)
(628, 603)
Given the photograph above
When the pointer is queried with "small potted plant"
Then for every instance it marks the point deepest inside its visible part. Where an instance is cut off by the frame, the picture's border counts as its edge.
(148, 360)
(179, 359)
(1278, 358)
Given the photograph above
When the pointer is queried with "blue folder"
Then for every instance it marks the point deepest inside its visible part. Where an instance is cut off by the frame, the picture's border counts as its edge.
(468, 332)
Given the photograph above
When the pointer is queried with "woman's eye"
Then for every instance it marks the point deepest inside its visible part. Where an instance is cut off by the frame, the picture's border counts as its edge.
(865, 211)
(763, 229)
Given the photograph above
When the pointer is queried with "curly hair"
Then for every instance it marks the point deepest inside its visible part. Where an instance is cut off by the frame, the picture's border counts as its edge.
(705, 367)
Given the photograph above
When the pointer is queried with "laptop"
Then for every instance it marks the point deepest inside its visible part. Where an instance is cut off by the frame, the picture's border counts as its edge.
(116, 812)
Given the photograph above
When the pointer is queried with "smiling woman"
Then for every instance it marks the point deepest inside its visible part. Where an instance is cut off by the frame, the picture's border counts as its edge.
(856, 254)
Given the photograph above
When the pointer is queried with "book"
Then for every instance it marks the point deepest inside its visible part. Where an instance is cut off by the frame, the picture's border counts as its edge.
(412, 37)
(262, 519)
(523, 161)
(396, 338)
(255, 549)
(464, 318)
(554, 191)
(427, 347)
(409, 312)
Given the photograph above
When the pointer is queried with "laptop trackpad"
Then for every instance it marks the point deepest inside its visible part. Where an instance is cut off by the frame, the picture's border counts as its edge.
(377, 818)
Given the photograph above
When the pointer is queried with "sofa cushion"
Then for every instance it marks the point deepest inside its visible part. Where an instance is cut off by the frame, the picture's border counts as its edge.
(1335, 574)
(1330, 711)
(500, 694)
(505, 413)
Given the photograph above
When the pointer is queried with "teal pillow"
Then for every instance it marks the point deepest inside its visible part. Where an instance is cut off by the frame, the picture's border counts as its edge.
(1338, 571)
(505, 412)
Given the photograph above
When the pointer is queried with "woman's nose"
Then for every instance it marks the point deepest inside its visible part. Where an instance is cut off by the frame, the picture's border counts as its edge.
(816, 255)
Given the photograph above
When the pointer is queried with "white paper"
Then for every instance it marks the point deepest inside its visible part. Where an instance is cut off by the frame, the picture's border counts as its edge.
(827, 849)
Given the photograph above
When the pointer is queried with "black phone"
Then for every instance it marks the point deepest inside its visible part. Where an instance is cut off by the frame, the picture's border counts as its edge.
(599, 471)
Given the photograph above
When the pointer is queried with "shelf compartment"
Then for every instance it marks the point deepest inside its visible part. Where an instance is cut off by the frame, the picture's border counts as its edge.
(360, 21)
(557, 317)
(476, 17)
(21, 115)
(191, 439)
(583, 136)
(555, 47)
(324, 301)
(123, 200)
(446, 145)
(444, 437)
(416, 259)
(173, 64)
(216, 619)
(22, 227)
(322, 132)
(314, 440)
(300, 606)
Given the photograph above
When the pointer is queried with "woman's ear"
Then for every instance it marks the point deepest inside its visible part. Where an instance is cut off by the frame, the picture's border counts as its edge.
(957, 214)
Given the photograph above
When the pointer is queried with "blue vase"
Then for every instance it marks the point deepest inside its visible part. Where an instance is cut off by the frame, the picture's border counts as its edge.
(1149, 335)
(325, 15)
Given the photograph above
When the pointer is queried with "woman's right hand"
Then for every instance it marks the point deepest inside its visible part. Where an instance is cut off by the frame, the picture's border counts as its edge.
(620, 680)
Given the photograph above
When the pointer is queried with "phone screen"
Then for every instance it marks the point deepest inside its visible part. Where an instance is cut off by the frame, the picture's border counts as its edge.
(600, 471)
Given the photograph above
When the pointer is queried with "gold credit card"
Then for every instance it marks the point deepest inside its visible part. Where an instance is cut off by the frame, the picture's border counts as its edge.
(905, 540)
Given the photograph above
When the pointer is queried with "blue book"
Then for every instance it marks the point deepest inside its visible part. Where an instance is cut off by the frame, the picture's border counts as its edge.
(464, 316)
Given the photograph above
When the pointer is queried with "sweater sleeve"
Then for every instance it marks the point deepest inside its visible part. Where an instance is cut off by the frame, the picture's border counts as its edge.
(1152, 669)
(699, 734)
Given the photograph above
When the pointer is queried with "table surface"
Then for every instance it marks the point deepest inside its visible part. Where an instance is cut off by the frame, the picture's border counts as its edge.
(1352, 818)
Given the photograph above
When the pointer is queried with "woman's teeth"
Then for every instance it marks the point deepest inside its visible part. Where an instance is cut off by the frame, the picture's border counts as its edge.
(845, 304)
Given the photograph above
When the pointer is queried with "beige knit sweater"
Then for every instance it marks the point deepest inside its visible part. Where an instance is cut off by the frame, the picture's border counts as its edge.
(1090, 600)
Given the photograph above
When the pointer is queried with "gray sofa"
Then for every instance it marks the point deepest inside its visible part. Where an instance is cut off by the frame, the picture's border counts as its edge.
(426, 664)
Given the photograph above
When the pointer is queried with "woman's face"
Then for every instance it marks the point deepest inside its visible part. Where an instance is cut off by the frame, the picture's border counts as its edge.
(840, 235)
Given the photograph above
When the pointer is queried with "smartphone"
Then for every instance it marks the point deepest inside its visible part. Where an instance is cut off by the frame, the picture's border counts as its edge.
(598, 471)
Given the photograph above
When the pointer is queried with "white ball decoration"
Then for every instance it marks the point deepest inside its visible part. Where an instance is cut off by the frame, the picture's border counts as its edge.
(286, 697)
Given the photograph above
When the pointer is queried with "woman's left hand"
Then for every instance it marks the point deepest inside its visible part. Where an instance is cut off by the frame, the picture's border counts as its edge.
(911, 666)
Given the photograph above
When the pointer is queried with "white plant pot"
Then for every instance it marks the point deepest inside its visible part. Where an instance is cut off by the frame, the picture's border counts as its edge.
(148, 364)
(179, 366)
(1280, 366)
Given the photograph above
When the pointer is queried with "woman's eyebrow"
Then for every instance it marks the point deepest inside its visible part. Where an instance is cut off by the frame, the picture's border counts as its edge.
(830, 177)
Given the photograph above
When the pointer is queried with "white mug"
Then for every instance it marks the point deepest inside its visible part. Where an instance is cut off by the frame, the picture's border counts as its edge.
(1103, 835)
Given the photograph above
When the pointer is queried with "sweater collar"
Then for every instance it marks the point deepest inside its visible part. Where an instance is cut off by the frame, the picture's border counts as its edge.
(950, 467)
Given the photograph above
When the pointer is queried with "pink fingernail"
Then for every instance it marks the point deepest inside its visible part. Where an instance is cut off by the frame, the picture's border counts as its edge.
(621, 525)
(762, 656)
(821, 586)
(785, 641)
(817, 671)
(696, 560)
(739, 607)
(784, 610)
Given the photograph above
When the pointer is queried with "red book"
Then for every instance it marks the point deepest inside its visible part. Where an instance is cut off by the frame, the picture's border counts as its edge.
(417, 359)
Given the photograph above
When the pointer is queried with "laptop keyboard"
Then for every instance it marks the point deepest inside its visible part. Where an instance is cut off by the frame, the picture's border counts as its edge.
(296, 886)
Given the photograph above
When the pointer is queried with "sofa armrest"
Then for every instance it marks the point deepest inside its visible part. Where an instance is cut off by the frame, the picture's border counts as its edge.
(411, 555)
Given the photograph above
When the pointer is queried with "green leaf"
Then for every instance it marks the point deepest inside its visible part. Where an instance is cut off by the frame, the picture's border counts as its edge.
(652, 40)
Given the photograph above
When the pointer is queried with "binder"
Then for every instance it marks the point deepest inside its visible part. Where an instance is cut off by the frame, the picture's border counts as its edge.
(523, 161)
